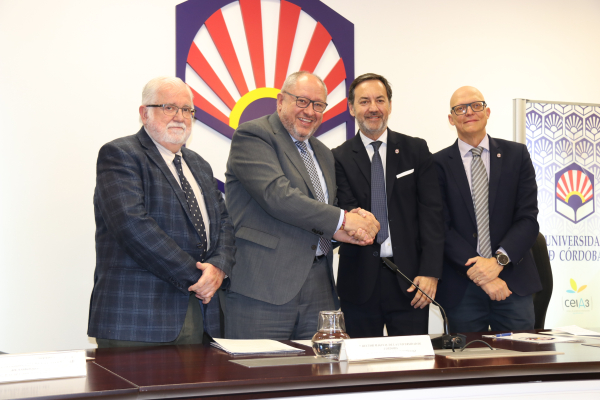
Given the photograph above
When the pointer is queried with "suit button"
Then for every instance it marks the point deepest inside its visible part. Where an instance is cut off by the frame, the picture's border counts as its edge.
(375, 254)
(475, 235)
(314, 247)
(314, 230)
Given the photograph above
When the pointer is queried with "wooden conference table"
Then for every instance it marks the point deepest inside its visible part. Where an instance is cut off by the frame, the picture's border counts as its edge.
(198, 371)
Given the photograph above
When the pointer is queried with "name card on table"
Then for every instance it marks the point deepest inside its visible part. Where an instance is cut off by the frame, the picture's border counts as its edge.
(389, 347)
(47, 365)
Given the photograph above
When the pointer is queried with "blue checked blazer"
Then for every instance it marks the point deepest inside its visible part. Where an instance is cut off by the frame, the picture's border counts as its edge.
(146, 244)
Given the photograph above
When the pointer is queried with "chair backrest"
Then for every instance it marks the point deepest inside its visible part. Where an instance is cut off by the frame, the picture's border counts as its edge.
(541, 299)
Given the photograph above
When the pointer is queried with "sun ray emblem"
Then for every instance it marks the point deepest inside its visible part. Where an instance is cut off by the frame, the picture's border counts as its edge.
(574, 193)
(235, 56)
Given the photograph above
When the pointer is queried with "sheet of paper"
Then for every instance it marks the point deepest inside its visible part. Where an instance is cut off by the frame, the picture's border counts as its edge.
(535, 338)
(575, 330)
(304, 342)
(253, 346)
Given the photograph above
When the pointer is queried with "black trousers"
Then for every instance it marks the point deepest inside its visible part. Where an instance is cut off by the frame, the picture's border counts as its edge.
(387, 306)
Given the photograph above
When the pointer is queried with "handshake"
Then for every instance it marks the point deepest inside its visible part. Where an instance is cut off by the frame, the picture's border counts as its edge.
(360, 228)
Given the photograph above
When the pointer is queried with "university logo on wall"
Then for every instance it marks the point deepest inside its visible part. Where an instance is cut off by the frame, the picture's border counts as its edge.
(563, 138)
(574, 193)
(235, 56)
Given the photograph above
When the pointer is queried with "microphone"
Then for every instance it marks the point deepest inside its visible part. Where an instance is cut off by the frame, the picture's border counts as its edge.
(446, 341)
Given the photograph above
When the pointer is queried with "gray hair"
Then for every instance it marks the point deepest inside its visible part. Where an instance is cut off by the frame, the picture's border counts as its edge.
(293, 79)
(154, 85)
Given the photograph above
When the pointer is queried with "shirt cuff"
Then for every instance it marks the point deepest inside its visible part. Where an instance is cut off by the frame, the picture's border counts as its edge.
(341, 221)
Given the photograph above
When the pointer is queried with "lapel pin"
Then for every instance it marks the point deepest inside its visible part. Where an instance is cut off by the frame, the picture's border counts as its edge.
(397, 151)
(499, 155)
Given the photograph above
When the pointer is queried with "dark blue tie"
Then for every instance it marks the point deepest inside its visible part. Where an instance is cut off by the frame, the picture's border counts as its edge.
(210, 311)
(378, 196)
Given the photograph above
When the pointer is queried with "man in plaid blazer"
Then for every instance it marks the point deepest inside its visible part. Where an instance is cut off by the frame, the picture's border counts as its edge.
(164, 240)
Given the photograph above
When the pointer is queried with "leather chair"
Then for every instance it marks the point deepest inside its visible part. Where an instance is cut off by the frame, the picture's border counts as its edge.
(541, 299)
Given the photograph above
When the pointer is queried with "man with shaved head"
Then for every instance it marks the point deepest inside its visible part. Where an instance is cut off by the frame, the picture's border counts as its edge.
(490, 208)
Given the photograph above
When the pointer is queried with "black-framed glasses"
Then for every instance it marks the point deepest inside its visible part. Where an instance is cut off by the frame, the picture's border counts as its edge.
(170, 109)
(303, 102)
(476, 106)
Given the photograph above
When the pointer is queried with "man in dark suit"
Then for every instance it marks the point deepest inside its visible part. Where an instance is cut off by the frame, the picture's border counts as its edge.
(490, 210)
(393, 176)
(164, 240)
(280, 189)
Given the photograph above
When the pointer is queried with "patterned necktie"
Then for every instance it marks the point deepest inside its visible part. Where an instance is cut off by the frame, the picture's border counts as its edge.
(324, 244)
(378, 195)
(480, 187)
(193, 206)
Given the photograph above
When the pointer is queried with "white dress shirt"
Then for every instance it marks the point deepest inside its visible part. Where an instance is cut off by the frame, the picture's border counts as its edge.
(386, 247)
(169, 158)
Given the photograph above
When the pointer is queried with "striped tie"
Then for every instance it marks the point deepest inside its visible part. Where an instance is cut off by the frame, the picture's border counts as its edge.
(480, 190)
(324, 244)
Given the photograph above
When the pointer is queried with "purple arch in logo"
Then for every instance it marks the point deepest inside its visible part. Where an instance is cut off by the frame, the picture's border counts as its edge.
(192, 14)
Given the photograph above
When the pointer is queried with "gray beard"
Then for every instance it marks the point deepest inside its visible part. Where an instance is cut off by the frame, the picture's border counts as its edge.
(165, 136)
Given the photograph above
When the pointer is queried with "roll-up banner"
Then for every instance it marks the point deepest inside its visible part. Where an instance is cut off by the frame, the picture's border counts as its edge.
(563, 140)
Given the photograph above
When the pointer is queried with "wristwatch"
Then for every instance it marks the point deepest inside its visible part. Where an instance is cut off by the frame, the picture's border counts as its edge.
(501, 258)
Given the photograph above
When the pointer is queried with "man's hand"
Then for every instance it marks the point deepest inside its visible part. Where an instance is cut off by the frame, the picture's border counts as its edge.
(209, 282)
(428, 285)
(496, 289)
(359, 237)
(484, 270)
(360, 219)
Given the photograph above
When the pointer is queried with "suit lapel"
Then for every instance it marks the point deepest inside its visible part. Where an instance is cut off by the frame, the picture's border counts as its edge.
(154, 155)
(207, 186)
(495, 171)
(460, 178)
(392, 161)
(291, 151)
(361, 158)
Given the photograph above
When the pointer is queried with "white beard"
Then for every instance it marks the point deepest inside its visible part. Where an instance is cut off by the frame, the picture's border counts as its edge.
(165, 136)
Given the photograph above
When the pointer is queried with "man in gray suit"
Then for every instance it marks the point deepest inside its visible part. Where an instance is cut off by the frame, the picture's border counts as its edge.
(280, 192)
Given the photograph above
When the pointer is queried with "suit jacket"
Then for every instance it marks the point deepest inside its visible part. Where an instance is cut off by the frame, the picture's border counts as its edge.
(513, 218)
(146, 244)
(414, 214)
(277, 218)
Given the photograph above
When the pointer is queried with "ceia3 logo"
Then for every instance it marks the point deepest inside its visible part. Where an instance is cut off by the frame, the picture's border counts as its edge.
(574, 194)
(575, 300)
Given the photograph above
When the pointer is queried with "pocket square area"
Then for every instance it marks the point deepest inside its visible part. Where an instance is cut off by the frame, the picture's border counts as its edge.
(410, 171)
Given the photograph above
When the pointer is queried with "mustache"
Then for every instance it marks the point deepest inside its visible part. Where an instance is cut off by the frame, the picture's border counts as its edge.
(174, 124)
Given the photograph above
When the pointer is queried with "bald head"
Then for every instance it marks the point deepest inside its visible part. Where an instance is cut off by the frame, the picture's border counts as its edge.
(465, 91)
(470, 126)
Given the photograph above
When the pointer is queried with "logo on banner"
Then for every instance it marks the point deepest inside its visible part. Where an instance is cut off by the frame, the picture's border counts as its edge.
(235, 56)
(576, 302)
(574, 193)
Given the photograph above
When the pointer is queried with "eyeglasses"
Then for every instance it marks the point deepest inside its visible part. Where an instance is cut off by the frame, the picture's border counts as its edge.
(476, 106)
(170, 109)
(303, 102)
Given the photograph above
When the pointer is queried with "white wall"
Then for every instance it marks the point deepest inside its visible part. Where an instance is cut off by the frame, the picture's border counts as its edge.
(71, 74)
